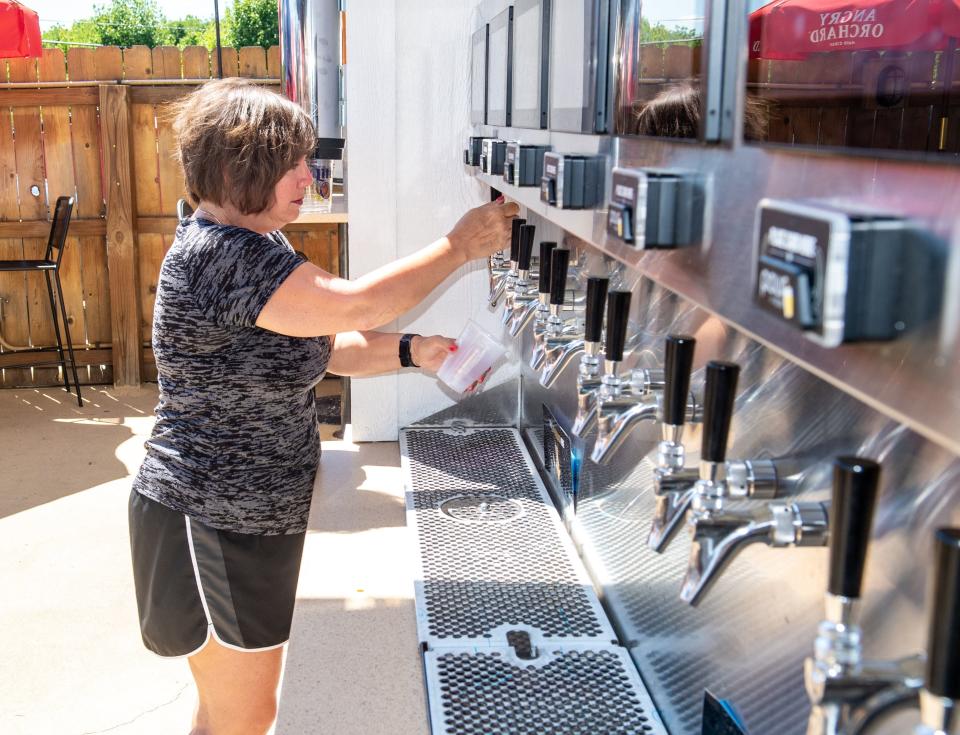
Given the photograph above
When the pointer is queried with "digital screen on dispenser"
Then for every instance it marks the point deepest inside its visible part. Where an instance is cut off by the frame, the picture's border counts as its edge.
(569, 63)
(478, 83)
(499, 51)
(526, 57)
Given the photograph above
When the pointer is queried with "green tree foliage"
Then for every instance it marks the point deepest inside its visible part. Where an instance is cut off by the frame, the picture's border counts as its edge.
(82, 31)
(251, 23)
(190, 31)
(659, 33)
(129, 23)
(141, 22)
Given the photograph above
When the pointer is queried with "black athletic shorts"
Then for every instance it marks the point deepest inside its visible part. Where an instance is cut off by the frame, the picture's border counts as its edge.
(194, 582)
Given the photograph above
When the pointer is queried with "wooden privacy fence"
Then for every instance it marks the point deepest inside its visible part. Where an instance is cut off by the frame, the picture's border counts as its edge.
(92, 123)
(839, 99)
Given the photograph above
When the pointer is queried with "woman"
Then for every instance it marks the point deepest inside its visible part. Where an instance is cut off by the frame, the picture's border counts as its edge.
(219, 508)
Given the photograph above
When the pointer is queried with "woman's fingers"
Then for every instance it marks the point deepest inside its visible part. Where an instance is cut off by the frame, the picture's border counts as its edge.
(432, 351)
(484, 229)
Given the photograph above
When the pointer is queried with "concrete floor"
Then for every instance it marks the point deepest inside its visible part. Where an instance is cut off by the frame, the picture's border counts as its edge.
(73, 663)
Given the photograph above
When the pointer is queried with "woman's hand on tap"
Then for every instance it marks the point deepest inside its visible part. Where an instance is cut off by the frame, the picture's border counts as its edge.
(430, 352)
(483, 230)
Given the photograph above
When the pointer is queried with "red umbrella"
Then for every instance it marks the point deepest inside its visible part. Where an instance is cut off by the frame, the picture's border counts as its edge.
(19, 30)
(794, 29)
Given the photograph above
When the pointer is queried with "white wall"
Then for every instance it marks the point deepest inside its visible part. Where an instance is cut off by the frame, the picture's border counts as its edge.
(408, 88)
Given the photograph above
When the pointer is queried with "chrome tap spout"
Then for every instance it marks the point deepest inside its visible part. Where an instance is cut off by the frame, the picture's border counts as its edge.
(520, 298)
(719, 536)
(674, 491)
(521, 315)
(848, 699)
(587, 387)
(498, 284)
(558, 353)
(616, 419)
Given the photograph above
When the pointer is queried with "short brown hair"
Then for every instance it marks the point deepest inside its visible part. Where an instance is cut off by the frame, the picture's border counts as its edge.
(236, 140)
(673, 113)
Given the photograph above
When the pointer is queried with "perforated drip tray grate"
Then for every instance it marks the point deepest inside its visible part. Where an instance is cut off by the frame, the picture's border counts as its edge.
(516, 639)
(493, 552)
(575, 690)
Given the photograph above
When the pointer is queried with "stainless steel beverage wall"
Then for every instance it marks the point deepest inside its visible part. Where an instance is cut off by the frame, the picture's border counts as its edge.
(799, 404)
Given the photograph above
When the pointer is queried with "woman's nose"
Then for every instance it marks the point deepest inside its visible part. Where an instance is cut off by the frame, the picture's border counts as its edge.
(305, 175)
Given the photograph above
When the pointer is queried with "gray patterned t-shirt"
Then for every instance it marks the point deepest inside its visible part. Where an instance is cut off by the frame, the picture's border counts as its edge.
(236, 443)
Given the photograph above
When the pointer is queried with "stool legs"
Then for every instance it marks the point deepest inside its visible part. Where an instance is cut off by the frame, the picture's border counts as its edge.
(56, 331)
(66, 331)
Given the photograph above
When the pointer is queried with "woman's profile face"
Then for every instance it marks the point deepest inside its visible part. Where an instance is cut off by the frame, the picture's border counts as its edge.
(288, 194)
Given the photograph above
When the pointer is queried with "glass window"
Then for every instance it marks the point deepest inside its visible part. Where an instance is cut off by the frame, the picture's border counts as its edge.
(478, 77)
(498, 69)
(530, 40)
(659, 87)
(870, 74)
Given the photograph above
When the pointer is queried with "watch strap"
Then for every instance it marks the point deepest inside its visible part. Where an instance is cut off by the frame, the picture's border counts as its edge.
(406, 359)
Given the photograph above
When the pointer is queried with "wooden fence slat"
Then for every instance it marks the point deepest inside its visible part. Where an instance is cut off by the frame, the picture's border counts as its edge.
(15, 324)
(58, 163)
(196, 62)
(253, 62)
(171, 188)
(108, 62)
(146, 183)
(85, 134)
(231, 62)
(273, 63)
(833, 126)
(167, 63)
(121, 246)
(681, 61)
(137, 63)
(32, 194)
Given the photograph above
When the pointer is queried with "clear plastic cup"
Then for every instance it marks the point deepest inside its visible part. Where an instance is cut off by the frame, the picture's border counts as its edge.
(477, 352)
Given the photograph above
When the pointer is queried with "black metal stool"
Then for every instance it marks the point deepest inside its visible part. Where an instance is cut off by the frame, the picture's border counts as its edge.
(58, 237)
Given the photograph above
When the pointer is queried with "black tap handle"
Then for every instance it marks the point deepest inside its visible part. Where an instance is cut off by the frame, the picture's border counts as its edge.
(596, 296)
(527, 233)
(559, 263)
(515, 238)
(855, 482)
(546, 249)
(678, 362)
(718, 397)
(618, 314)
(943, 642)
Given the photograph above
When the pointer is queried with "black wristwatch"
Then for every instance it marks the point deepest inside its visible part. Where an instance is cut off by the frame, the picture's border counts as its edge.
(406, 359)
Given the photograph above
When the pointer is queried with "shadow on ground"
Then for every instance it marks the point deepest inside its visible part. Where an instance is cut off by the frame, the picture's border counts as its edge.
(50, 448)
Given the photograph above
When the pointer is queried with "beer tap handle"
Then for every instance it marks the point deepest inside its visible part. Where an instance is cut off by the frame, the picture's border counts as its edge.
(618, 314)
(678, 362)
(596, 296)
(515, 226)
(943, 643)
(527, 233)
(546, 251)
(855, 482)
(559, 263)
(718, 399)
